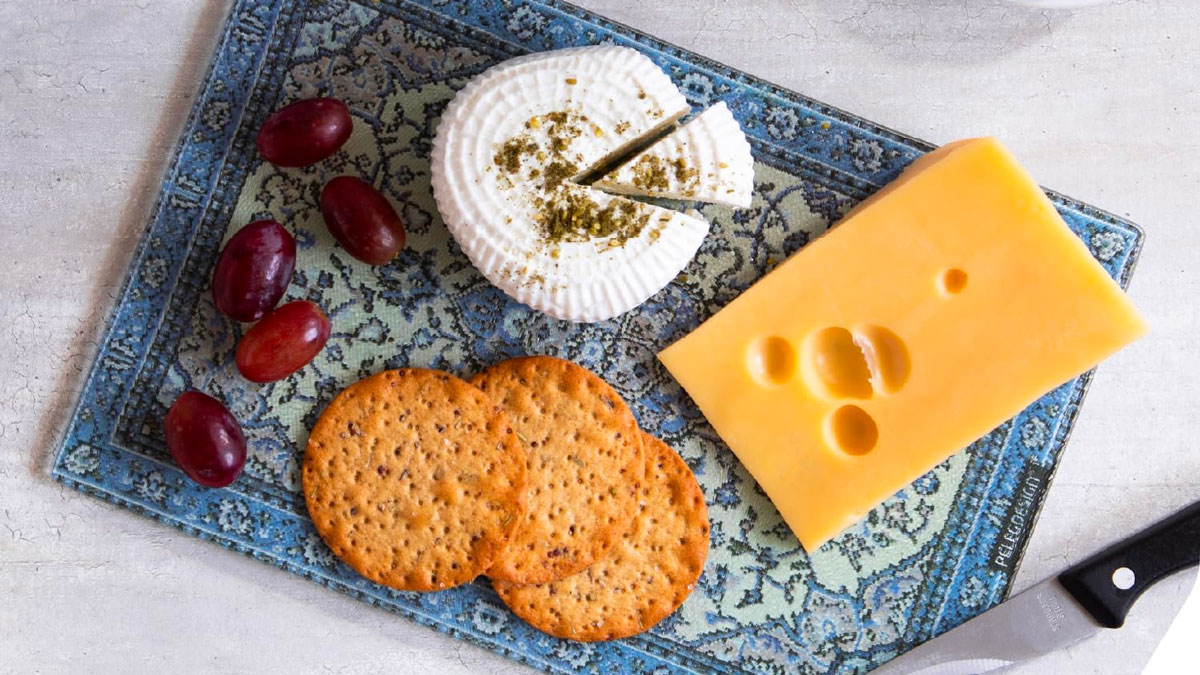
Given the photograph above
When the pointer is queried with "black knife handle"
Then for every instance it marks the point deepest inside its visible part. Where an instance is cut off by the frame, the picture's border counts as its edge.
(1107, 583)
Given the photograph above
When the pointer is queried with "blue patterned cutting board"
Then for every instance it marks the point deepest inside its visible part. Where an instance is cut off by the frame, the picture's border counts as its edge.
(941, 551)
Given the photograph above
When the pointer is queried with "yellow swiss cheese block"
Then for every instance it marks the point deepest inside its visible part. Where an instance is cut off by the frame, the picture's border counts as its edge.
(935, 311)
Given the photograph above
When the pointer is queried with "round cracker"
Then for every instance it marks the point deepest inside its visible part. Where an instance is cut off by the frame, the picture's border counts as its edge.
(644, 579)
(415, 479)
(584, 463)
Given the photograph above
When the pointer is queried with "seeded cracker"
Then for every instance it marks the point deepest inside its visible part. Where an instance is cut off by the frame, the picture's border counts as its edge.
(645, 578)
(415, 479)
(584, 465)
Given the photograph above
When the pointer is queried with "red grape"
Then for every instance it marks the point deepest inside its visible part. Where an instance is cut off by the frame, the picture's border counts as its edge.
(283, 342)
(362, 220)
(253, 270)
(305, 132)
(205, 439)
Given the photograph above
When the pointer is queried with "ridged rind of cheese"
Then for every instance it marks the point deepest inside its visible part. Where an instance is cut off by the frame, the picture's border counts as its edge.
(492, 216)
(714, 145)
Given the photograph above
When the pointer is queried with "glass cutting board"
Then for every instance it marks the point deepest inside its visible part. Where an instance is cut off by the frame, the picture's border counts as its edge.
(939, 552)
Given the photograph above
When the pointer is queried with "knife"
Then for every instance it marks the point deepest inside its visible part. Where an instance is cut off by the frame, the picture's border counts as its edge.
(1093, 595)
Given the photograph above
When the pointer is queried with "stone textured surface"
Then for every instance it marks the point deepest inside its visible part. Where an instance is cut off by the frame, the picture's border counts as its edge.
(1100, 103)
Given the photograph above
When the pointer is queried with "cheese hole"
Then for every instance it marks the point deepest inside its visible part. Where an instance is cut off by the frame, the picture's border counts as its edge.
(852, 430)
(835, 365)
(886, 355)
(771, 360)
(953, 281)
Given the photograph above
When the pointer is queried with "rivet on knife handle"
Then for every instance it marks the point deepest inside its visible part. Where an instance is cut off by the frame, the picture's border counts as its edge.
(1108, 583)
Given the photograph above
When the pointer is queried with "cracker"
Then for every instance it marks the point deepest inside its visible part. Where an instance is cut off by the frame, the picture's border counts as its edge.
(415, 479)
(583, 459)
(644, 579)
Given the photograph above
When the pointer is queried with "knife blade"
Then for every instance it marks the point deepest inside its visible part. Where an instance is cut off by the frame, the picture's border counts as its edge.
(1091, 596)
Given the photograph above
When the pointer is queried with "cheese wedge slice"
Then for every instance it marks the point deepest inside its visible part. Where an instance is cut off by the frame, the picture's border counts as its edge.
(507, 148)
(706, 159)
(929, 316)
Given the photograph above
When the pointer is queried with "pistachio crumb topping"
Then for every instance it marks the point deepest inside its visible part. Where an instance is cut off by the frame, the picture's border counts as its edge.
(575, 216)
(652, 172)
(558, 171)
(683, 172)
(557, 131)
(649, 173)
(510, 153)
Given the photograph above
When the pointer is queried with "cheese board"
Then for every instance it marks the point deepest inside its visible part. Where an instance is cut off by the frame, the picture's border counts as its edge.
(941, 551)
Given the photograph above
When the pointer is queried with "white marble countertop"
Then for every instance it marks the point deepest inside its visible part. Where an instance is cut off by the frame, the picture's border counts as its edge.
(1101, 103)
